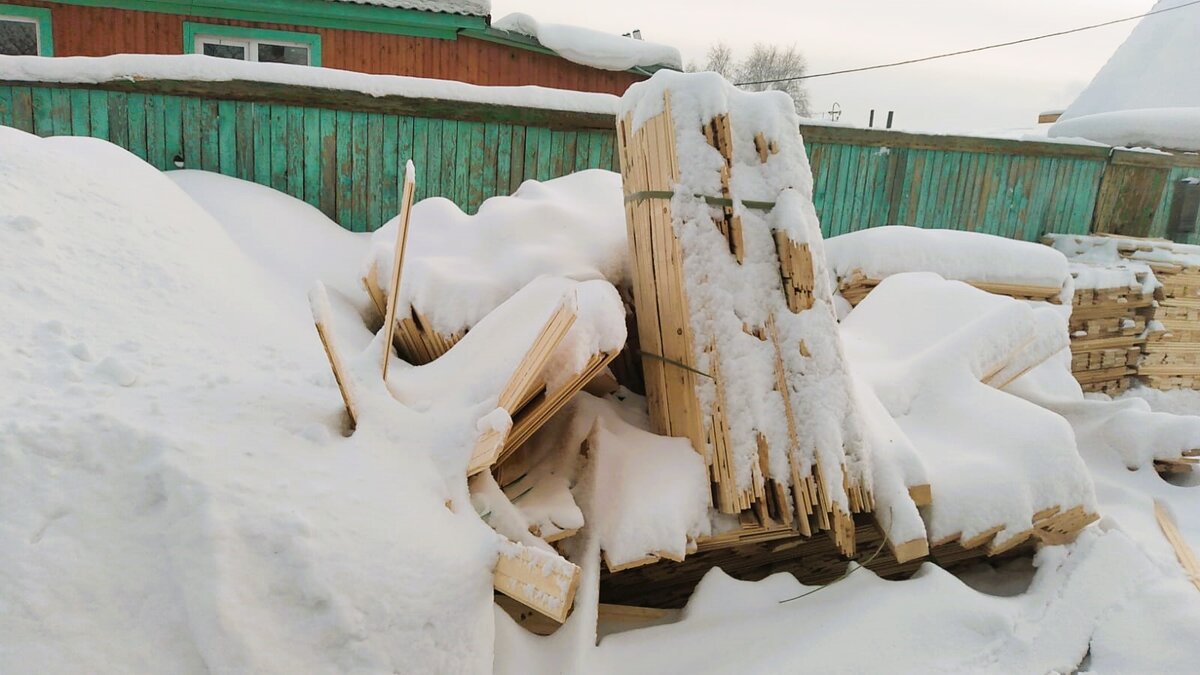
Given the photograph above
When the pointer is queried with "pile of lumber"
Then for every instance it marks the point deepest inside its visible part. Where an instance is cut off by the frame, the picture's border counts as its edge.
(1171, 352)
(1107, 329)
(511, 350)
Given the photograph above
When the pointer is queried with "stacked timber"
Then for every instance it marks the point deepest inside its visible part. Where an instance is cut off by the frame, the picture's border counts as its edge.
(855, 287)
(726, 288)
(1108, 326)
(1171, 347)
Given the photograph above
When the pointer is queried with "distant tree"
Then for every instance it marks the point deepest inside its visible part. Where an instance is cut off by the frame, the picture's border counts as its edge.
(765, 62)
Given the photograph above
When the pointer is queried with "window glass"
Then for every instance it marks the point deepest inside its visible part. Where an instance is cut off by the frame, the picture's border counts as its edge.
(18, 37)
(225, 51)
(270, 53)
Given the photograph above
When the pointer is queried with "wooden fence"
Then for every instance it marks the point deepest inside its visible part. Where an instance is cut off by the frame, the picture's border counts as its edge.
(344, 152)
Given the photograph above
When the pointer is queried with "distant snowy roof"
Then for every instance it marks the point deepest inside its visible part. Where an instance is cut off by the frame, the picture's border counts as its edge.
(1146, 94)
(468, 7)
(591, 47)
(1158, 66)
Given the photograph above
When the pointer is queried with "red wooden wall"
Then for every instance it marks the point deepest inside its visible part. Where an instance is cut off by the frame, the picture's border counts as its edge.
(99, 31)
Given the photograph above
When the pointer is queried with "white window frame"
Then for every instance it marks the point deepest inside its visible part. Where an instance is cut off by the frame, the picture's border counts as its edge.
(37, 29)
(250, 45)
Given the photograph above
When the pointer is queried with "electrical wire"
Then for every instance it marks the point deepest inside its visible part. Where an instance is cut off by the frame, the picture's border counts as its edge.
(971, 51)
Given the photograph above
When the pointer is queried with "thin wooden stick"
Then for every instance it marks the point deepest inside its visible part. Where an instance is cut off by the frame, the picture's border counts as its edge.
(1187, 559)
(389, 320)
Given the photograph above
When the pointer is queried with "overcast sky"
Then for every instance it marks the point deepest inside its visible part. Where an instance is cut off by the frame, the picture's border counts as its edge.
(998, 89)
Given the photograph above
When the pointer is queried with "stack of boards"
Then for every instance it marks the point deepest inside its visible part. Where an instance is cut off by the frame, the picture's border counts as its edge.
(534, 576)
(1172, 348)
(858, 284)
(1107, 334)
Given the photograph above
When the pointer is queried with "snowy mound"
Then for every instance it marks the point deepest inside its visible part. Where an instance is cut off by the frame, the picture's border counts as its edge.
(1156, 67)
(880, 252)
(590, 47)
(1173, 128)
(459, 267)
(177, 495)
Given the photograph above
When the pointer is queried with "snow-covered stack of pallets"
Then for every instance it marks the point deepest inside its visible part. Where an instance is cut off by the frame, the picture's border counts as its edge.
(1108, 325)
(1159, 281)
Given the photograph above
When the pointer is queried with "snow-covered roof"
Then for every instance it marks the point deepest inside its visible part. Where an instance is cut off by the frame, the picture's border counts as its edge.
(467, 7)
(591, 47)
(1146, 93)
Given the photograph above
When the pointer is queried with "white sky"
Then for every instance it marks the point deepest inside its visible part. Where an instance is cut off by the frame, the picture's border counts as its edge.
(993, 90)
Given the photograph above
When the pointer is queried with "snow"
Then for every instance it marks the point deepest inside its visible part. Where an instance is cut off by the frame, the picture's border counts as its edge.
(880, 252)
(1149, 68)
(209, 516)
(198, 68)
(467, 7)
(590, 47)
(571, 227)
(1138, 97)
(1174, 128)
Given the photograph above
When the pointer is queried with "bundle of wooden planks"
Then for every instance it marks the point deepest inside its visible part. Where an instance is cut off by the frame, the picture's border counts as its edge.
(1107, 327)
(689, 374)
(1172, 348)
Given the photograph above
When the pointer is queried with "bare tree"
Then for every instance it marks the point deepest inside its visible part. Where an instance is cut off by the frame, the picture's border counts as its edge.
(765, 62)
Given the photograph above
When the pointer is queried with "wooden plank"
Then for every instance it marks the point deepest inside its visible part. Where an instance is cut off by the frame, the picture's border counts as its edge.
(81, 112)
(389, 321)
(1187, 558)
(156, 135)
(345, 169)
(98, 111)
(210, 153)
(432, 183)
(137, 125)
(516, 162)
(540, 580)
(262, 144)
(279, 147)
(118, 118)
(462, 166)
(420, 156)
(6, 106)
(392, 162)
(373, 216)
(296, 150)
(193, 145)
(173, 122)
(323, 319)
(227, 138)
(43, 120)
(246, 147)
(492, 152)
(471, 189)
(60, 112)
(450, 152)
(22, 109)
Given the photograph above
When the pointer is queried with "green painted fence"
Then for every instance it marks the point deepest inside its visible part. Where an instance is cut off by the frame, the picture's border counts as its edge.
(343, 153)
(1021, 190)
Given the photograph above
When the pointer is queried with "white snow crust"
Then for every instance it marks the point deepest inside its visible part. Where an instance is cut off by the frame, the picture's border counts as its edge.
(591, 47)
(195, 67)
(467, 7)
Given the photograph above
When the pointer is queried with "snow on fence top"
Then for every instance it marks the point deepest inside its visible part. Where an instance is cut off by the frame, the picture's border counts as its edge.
(197, 68)
(467, 7)
(590, 47)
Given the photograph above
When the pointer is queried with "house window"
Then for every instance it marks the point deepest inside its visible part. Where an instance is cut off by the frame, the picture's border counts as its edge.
(25, 31)
(252, 44)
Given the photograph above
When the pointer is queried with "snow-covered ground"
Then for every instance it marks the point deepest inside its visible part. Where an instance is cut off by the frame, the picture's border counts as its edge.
(178, 493)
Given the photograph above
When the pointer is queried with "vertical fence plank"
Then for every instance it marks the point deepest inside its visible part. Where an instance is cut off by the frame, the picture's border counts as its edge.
(329, 164)
(279, 147)
(262, 143)
(422, 161)
(43, 116)
(393, 168)
(137, 124)
(81, 113)
(118, 118)
(6, 106)
(462, 165)
(358, 181)
(210, 153)
(312, 156)
(375, 185)
(433, 153)
(60, 112)
(474, 194)
(516, 164)
(98, 114)
(193, 153)
(227, 150)
(156, 135)
(22, 110)
(295, 152)
(345, 169)
(491, 153)
(173, 129)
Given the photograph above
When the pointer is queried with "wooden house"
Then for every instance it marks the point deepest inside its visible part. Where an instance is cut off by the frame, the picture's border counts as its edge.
(445, 39)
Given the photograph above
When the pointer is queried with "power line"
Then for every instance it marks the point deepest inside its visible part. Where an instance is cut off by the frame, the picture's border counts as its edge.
(971, 51)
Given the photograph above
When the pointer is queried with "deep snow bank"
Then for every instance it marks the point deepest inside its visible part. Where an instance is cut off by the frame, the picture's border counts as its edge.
(177, 495)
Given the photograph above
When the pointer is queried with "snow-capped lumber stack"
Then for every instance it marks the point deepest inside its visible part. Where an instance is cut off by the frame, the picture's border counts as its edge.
(414, 338)
(1171, 349)
(737, 333)
(1108, 324)
(1019, 269)
(538, 579)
